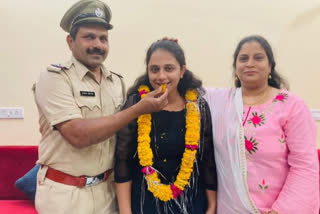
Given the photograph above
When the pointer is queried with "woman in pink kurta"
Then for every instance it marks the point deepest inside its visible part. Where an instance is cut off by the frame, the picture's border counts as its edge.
(279, 138)
(265, 140)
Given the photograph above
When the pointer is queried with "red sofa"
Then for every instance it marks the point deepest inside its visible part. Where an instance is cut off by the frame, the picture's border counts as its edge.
(15, 161)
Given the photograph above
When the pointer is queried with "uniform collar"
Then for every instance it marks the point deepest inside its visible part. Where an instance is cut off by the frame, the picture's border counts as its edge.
(82, 70)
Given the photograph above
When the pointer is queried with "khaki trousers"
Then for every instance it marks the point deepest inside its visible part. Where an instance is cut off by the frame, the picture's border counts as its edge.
(57, 198)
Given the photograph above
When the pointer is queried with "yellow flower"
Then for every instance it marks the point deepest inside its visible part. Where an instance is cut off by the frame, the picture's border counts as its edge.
(144, 87)
(191, 95)
(143, 90)
(162, 191)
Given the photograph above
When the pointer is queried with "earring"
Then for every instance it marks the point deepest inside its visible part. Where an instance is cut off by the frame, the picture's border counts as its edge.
(269, 76)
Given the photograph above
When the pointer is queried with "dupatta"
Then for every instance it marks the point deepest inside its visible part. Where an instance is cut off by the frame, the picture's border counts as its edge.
(229, 147)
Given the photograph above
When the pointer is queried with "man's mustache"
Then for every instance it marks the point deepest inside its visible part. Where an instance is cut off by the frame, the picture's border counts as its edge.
(95, 51)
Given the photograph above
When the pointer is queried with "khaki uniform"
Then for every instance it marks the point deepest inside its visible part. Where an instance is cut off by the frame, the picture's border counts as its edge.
(66, 92)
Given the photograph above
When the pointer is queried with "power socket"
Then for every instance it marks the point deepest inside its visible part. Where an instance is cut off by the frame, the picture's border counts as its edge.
(12, 113)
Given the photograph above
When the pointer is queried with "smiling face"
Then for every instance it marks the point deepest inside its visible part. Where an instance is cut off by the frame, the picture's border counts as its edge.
(163, 68)
(90, 46)
(252, 65)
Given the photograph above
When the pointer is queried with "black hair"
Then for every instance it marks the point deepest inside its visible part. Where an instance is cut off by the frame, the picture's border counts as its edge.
(189, 81)
(275, 80)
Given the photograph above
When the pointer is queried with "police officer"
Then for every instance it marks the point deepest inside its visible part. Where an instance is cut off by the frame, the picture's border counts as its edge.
(78, 103)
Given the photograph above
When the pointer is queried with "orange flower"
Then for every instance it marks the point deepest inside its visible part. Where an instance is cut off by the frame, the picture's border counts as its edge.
(162, 191)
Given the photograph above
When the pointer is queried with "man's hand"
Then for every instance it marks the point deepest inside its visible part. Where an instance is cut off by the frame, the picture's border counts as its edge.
(85, 132)
(154, 101)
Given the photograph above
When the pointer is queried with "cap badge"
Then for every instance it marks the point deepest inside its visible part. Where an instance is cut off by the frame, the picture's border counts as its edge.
(98, 12)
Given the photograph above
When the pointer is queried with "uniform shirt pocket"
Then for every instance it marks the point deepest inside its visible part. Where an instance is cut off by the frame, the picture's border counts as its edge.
(90, 106)
(118, 102)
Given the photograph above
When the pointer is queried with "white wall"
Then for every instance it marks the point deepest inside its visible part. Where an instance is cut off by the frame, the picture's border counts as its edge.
(208, 30)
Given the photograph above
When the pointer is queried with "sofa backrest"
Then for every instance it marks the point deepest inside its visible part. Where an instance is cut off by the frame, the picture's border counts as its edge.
(15, 161)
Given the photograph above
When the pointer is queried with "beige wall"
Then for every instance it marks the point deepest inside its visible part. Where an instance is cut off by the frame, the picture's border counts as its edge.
(208, 30)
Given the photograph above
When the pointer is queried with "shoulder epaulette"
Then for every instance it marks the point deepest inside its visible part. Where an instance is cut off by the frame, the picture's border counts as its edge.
(60, 67)
(56, 68)
(119, 75)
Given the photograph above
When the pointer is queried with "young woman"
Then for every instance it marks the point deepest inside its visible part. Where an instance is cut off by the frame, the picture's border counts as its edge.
(165, 160)
(264, 139)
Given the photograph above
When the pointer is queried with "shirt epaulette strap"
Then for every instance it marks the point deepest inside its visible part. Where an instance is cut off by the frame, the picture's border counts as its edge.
(122, 84)
(59, 67)
(119, 75)
(55, 68)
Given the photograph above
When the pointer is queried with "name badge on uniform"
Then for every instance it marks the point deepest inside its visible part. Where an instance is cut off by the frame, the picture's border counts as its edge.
(87, 93)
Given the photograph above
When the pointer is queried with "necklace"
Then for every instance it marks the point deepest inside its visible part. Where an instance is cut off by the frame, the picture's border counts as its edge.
(161, 191)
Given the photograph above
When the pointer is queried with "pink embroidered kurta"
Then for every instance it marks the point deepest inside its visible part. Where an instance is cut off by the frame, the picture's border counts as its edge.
(283, 168)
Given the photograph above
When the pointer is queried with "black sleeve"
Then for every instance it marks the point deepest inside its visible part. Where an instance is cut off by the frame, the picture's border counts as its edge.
(126, 147)
(207, 164)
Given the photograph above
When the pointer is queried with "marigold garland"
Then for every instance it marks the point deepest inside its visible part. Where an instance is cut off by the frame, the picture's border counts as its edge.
(161, 191)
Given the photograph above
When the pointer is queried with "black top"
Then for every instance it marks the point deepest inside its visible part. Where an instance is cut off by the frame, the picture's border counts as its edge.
(168, 144)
